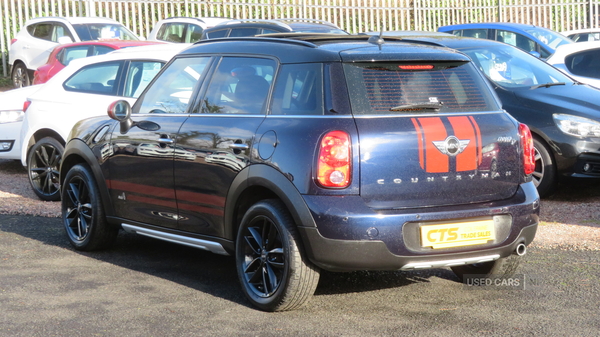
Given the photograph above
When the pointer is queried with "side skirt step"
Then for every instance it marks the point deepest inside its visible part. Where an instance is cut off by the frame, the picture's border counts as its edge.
(212, 247)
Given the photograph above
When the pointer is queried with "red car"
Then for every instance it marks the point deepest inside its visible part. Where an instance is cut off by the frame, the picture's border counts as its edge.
(65, 53)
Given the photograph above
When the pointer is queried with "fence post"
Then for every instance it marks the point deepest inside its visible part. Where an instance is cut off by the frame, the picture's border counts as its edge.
(499, 11)
(90, 8)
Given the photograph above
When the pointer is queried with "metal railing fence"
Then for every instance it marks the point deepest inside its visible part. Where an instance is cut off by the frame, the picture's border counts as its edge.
(352, 15)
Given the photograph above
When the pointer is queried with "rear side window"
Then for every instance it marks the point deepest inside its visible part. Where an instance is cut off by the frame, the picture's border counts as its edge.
(299, 90)
(41, 31)
(476, 33)
(386, 88)
(242, 32)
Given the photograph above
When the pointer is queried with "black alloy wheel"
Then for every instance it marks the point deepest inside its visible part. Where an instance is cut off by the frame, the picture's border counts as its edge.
(273, 273)
(43, 165)
(544, 175)
(82, 212)
(20, 76)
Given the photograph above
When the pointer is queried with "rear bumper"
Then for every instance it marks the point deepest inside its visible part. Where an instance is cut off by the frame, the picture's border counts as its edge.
(378, 241)
(10, 144)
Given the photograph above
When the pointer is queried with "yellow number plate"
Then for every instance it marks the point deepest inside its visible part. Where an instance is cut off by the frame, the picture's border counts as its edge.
(457, 234)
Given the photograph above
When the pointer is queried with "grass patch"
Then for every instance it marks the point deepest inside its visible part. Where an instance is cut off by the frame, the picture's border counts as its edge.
(5, 81)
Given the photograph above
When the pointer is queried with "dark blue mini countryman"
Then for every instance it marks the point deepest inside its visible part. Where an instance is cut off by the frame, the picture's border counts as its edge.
(295, 153)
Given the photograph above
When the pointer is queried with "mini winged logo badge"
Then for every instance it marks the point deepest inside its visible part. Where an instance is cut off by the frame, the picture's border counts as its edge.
(451, 146)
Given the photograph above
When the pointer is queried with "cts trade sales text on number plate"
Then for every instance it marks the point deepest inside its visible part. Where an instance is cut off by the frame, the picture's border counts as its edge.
(457, 234)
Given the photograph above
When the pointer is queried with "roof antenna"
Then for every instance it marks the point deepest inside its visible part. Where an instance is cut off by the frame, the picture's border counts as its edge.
(377, 40)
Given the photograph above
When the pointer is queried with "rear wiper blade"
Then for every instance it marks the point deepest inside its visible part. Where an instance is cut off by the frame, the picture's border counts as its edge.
(435, 106)
(546, 85)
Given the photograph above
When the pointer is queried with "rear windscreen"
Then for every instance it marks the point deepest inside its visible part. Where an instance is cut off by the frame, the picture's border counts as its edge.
(394, 87)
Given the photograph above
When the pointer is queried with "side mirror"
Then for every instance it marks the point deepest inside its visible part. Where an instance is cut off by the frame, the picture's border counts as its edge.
(121, 111)
(64, 40)
(535, 53)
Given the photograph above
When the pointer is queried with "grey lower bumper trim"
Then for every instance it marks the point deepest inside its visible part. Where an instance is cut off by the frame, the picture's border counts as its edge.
(450, 263)
(182, 240)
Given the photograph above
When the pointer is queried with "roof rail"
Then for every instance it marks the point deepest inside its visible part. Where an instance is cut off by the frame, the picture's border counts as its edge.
(323, 22)
(238, 21)
(265, 37)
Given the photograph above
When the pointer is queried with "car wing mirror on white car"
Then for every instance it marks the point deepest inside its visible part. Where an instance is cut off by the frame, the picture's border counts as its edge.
(64, 40)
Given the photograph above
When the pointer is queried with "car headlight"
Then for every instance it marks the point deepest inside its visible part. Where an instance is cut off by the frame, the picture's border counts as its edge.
(11, 116)
(577, 126)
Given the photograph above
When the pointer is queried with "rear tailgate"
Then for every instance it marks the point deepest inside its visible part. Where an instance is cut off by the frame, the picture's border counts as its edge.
(423, 161)
(431, 134)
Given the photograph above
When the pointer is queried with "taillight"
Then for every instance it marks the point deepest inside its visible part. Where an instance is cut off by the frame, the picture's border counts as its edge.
(26, 105)
(13, 41)
(528, 150)
(335, 160)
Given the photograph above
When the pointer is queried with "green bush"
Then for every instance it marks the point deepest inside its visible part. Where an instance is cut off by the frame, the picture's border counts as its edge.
(5, 81)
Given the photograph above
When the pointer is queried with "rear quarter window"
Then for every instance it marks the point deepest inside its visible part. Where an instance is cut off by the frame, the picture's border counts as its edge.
(379, 88)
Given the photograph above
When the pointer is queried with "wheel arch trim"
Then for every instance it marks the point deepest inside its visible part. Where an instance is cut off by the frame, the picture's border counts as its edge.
(260, 175)
(78, 152)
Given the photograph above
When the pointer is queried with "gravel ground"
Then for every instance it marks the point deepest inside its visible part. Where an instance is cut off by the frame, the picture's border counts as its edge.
(570, 219)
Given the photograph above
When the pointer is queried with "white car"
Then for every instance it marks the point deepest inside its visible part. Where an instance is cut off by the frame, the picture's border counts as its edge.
(37, 38)
(583, 35)
(85, 88)
(182, 29)
(11, 118)
(580, 61)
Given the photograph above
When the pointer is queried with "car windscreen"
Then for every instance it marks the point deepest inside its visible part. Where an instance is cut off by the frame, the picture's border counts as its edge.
(400, 87)
(510, 67)
(103, 31)
(549, 37)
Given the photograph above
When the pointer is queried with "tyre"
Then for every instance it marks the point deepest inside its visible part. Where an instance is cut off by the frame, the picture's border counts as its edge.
(503, 267)
(43, 164)
(20, 76)
(544, 175)
(83, 213)
(273, 271)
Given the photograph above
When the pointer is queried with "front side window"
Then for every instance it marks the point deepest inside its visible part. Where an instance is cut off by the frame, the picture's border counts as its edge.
(72, 53)
(393, 87)
(517, 40)
(171, 32)
(217, 33)
(60, 31)
(95, 79)
(139, 75)
(103, 31)
(171, 92)
(299, 90)
(193, 33)
(240, 85)
(586, 63)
